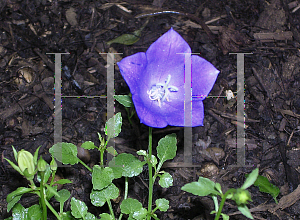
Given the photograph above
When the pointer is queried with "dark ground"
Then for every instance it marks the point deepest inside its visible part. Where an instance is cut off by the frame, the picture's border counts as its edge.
(30, 29)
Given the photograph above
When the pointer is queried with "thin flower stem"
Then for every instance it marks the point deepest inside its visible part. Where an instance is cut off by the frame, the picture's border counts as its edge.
(222, 203)
(126, 193)
(42, 192)
(52, 210)
(110, 208)
(150, 174)
(86, 166)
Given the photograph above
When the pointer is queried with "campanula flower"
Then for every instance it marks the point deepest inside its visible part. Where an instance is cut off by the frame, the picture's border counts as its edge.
(156, 82)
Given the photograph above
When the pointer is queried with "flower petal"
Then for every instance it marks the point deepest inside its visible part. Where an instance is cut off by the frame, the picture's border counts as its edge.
(164, 56)
(176, 118)
(204, 76)
(146, 115)
(132, 69)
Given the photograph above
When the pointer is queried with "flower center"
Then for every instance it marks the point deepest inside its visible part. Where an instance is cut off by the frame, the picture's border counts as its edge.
(161, 91)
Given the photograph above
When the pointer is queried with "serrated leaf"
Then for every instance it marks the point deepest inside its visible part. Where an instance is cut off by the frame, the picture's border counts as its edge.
(105, 216)
(89, 216)
(165, 180)
(65, 153)
(99, 197)
(140, 214)
(102, 177)
(124, 100)
(113, 126)
(166, 149)
(112, 151)
(203, 187)
(127, 164)
(64, 195)
(162, 204)
(130, 205)
(88, 145)
(79, 208)
(19, 212)
(34, 212)
(67, 216)
(251, 178)
(245, 211)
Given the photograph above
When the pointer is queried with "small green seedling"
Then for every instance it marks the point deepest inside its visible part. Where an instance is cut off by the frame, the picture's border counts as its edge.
(206, 187)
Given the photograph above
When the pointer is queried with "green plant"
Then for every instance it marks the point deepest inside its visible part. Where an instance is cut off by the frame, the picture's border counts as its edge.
(206, 187)
(29, 166)
(122, 165)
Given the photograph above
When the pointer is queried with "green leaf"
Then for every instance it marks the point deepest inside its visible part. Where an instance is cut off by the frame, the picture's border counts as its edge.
(53, 190)
(36, 154)
(165, 180)
(127, 39)
(245, 211)
(105, 216)
(62, 181)
(17, 192)
(14, 166)
(113, 126)
(99, 197)
(251, 178)
(12, 203)
(125, 100)
(153, 160)
(142, 153)
(15, 154)
(224, 216)
(34, 212)
(88, 145)
(64, 195)
(162, 204)
(67, 216)
(19, 212)
(65, 153)
(47, 174)
(140, 214)
(166, 149)
(49, 193)
(89, 216)
(102, 177)
(218, 187)
(79, 208)
(127, 165)
(203, 187)
(267, 187)
(130, 205)
(112, 151)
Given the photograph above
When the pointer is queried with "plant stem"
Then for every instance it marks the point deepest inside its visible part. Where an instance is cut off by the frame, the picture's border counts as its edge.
(42, 192)
(110, 208)
(222, 202)
(126, 193)
(86, 166)
(150, 174)
(53, 210)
